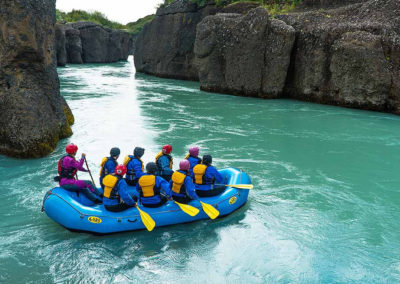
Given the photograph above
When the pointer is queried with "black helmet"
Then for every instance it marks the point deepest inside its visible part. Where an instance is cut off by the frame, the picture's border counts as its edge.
(115, 152)
(151, 168)
(138, 152)
(207, 160)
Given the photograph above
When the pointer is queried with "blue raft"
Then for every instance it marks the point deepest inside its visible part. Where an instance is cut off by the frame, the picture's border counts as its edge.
(77, 213)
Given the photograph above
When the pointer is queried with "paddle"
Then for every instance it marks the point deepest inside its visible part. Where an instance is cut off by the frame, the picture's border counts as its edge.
(243, 186)
(146, 219)
(190, 210)
(209, 210)
(90, 173)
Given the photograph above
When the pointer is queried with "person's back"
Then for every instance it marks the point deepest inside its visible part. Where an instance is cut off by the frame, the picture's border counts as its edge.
(151, 188)
(108, 164)
(181, 184)
(193, 158)
(164, 163)
(207, 179)
(134, 166)
(116, 197)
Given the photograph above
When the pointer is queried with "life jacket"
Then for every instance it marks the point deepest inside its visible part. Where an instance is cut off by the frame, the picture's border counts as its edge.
(110, 183)
(127, 160)
(103, 163)
(66, 173)
(178, 182)
(188, 156)
(159, 155)
(199, 175)
(147, 184)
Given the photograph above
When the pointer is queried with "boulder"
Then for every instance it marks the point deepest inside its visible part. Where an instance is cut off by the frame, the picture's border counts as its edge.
(243, 54)
(33, 115)
(60, 45)
(73, 45)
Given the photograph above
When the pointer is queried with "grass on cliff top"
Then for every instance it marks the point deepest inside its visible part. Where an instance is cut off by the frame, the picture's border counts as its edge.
(133, 28)
(273, 7)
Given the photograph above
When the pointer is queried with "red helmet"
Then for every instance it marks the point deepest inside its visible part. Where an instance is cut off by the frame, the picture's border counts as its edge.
(71, 149)
(120, 170)
(184, 165)
(166, 149)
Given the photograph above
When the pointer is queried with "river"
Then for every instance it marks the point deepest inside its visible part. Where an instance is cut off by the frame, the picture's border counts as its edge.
(325, 206)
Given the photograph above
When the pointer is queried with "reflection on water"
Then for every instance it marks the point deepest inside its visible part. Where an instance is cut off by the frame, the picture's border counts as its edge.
(325, 207)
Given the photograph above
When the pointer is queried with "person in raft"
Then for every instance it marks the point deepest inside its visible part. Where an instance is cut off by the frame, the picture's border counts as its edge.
(205, 176)
(164, 163)
(181, 184)
(67, 169)
(134, 166)
(153, 190)
(193, 157)
(108, 164)
(116, 197)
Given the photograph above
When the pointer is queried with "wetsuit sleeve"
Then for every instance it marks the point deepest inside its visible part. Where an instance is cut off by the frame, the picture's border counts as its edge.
(137, 167)
(123, 192)
(79, 165)
(217, 176)
(164, 185)
(190, 189)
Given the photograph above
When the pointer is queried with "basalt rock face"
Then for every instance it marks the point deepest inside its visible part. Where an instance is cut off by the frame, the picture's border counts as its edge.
(87, 42)
(60, 45)
(165, 46)
(244, 55)
(348, 56)
(33, 115)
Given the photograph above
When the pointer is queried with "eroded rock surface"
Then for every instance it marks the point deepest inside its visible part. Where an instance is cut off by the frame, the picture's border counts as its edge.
(33, 115)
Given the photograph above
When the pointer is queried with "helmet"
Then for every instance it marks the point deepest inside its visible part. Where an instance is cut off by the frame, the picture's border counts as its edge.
(151, 168)
(120, 170)
(115, 152)
(184, 165)
(166, 149)
(138, 152)
(71, 148)
(194, 151)
(207, 160)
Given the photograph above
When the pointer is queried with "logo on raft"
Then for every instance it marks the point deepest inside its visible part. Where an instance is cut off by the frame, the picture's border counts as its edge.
(95, 220)
(232, 200)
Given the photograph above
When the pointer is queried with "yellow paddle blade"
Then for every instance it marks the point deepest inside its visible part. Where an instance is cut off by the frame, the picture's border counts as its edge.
(244, 186)
(190, 210)
(210, 210)
(146, 219)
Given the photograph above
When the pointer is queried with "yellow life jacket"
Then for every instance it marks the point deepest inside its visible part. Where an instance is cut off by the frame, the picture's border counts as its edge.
(147, 183)
(109, 182)
(187, 156)
(102, 164)
(199, 170)
(130, 158)
(178, 179)
(171, 162)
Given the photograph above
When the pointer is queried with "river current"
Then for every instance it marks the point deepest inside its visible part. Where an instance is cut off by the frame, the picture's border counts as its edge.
(325, 206)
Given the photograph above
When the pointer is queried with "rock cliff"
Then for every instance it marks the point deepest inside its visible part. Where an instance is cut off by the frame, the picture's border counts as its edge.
(33, 115)
(86, 42)
(347, 53)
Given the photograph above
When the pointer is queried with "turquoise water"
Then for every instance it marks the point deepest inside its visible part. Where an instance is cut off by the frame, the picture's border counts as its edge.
(325, 207)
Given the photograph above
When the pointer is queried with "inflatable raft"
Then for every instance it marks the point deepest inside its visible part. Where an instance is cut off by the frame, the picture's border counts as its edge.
(77, 213)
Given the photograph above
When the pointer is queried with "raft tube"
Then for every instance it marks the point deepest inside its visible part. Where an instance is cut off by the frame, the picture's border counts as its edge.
(77, 213)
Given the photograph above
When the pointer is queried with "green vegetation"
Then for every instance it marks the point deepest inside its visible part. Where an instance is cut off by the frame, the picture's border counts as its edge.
(272, 6)
(133, 28)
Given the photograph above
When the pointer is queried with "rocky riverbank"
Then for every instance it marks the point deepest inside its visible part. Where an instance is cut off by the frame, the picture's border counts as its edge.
(342, 52)
(86, 42)
(33, 114)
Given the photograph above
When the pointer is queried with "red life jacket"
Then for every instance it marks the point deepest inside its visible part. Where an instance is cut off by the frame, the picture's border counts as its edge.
(66, 173)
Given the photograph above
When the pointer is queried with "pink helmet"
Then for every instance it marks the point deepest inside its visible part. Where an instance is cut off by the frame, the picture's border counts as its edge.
(184, 165)
(194, 151)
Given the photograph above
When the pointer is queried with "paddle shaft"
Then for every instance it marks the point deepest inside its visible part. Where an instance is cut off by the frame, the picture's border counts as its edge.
(90, 173)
